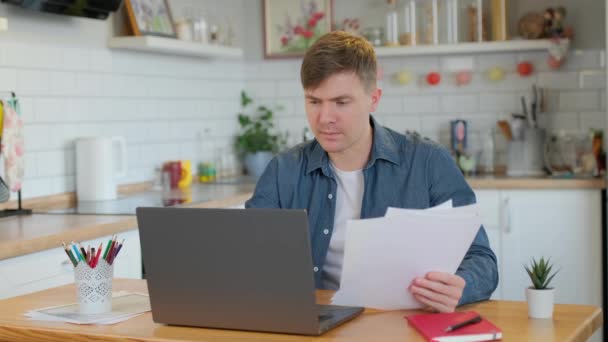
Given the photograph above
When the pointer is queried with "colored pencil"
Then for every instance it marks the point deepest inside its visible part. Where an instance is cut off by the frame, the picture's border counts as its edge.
(65, 248)
(98, 255)
(105, 253)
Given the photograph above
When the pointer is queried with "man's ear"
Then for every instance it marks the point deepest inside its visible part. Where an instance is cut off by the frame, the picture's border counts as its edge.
(376, 95)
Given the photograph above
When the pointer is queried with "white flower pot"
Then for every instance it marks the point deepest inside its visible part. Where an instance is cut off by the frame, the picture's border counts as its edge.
(540, 302)
(256, 163)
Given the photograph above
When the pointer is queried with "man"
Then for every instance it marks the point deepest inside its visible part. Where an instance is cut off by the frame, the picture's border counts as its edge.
(356, 168)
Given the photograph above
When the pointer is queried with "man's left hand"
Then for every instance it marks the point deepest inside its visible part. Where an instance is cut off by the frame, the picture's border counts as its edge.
(438, 290)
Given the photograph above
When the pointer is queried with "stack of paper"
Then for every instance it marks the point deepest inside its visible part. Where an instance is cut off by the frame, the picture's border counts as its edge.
(382, 256)
(125, 305)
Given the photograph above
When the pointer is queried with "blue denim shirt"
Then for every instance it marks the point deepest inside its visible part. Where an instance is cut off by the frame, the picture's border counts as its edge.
(403, 171)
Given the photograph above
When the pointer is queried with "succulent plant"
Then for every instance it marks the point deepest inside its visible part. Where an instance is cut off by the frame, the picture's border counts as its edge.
(540, 273)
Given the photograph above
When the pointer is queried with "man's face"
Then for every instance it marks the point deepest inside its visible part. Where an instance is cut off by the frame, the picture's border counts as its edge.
(338, 111)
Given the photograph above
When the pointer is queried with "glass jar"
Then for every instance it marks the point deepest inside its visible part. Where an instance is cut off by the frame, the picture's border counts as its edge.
(183, 29)
(392, 24)
(374, 35)
(426, 22)
(448, 21)
(473, 21)
(407, 23)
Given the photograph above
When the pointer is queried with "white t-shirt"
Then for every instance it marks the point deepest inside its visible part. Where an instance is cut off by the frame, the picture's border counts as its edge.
(349, 198)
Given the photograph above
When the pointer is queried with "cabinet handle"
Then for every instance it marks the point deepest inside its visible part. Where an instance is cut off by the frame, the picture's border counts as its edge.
(506, 215)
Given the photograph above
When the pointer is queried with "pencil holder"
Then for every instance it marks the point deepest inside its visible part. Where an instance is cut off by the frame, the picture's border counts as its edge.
(94, 287)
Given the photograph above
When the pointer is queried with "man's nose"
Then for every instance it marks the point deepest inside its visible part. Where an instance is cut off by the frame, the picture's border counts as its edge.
(325, 113)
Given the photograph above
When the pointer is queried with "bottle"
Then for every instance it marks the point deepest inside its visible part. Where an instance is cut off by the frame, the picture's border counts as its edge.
(201, 34)
(487, 152)
(392, 24)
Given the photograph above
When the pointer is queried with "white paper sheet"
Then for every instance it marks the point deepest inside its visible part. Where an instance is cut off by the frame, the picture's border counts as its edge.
(383, 255)
(125, 305)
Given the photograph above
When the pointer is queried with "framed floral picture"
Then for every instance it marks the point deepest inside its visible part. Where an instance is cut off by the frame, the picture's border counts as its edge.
(292, 26)
(150, 17)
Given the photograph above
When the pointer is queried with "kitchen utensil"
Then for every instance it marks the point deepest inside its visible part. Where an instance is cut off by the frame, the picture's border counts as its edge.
(518, 124)
(525, 157)
(524, 108)
(505, 128)
(100, 161)
(534, 108)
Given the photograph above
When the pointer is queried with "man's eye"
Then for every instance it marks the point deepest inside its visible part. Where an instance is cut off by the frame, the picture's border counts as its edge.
(341, 103)
(313, 102)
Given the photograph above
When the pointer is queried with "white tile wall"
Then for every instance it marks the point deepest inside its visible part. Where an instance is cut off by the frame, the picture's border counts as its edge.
(174, 107)
(576, 92)
(158, 103)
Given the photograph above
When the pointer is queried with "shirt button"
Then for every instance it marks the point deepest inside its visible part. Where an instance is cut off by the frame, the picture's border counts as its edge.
(326, 231)
(316, 269)
(330, 196)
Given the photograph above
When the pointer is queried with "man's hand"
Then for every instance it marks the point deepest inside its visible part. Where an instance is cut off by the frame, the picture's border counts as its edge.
(440, 291)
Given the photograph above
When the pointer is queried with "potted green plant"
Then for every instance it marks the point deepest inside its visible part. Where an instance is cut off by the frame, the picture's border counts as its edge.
(540, 296)
(256, 143)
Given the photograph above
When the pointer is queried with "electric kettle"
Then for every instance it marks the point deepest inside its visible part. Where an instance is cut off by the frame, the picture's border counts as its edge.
(100, 161)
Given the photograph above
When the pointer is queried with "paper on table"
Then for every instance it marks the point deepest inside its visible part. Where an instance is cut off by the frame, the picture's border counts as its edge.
(125, 305)
(383, 255)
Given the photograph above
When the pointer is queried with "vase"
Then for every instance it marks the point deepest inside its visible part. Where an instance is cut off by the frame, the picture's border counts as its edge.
(540, 302)
(256, 163)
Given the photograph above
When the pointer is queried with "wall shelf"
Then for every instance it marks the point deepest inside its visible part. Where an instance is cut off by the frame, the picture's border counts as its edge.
(465, 48)
(174, 47)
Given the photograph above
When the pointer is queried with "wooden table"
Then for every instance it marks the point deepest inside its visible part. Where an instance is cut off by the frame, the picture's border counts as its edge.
(570, 323)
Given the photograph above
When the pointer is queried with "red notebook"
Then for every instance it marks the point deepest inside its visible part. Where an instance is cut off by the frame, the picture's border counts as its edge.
(432, 327)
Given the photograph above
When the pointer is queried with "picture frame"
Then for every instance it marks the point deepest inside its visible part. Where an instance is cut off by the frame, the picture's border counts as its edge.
(150, 17)
(291, 26)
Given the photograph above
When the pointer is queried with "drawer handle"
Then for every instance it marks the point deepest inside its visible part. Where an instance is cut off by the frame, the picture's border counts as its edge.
(506, 216)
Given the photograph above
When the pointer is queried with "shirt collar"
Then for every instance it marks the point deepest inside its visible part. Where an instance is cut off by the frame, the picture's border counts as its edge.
(383, 147)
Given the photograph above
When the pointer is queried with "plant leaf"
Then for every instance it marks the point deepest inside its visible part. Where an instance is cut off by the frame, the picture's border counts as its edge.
(245, 100)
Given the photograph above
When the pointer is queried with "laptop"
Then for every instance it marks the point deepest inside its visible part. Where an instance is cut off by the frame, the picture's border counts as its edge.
(243, 269)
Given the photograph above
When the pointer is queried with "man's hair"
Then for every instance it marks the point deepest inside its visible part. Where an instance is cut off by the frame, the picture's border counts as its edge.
(337, 52)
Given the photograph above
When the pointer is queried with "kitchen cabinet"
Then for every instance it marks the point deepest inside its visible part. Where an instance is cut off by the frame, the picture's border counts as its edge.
(51, 268)
(562, 224)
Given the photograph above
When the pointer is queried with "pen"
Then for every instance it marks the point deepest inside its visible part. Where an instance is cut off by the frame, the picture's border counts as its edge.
(473, 320)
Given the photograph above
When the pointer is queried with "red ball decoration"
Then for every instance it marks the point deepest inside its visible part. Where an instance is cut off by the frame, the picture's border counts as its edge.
(554, 63)
(525, 69)
(463, 78)
(433, 78)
